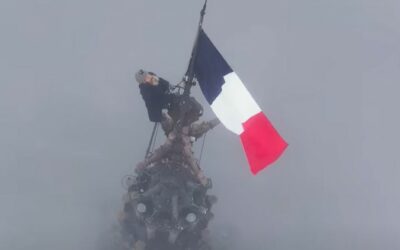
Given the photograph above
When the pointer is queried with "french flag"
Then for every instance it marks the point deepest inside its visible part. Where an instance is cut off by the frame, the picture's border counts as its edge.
(235, 107)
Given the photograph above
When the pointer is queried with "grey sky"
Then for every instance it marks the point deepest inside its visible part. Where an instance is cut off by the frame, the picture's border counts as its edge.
(72, 122)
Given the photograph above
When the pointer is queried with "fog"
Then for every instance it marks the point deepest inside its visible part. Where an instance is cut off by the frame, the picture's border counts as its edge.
(72, 122)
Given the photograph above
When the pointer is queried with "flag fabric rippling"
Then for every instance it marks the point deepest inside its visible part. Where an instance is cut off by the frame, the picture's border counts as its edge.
(235, 107)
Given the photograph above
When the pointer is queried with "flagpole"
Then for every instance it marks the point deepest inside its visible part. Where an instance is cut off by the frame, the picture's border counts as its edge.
(189, 73)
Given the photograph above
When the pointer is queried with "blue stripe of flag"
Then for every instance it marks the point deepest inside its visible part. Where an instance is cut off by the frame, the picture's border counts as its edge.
(210, 68)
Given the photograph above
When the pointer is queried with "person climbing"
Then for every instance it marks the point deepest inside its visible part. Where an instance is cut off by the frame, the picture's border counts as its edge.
(155, 92)
(178, 115)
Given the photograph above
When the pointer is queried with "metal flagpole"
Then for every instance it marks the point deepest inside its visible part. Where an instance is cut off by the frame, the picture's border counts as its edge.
(189, 73)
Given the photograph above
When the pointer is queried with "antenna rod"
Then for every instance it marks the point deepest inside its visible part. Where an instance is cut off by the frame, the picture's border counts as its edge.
(189, 73)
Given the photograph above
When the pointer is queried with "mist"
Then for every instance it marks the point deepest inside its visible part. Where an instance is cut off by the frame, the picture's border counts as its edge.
(72, 121)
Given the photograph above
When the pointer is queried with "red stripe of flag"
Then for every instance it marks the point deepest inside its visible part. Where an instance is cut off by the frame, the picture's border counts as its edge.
(261, 142)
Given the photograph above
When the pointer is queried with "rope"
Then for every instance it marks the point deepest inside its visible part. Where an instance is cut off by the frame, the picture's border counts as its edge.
(202, 147)
(151, 140)
(155, 139)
